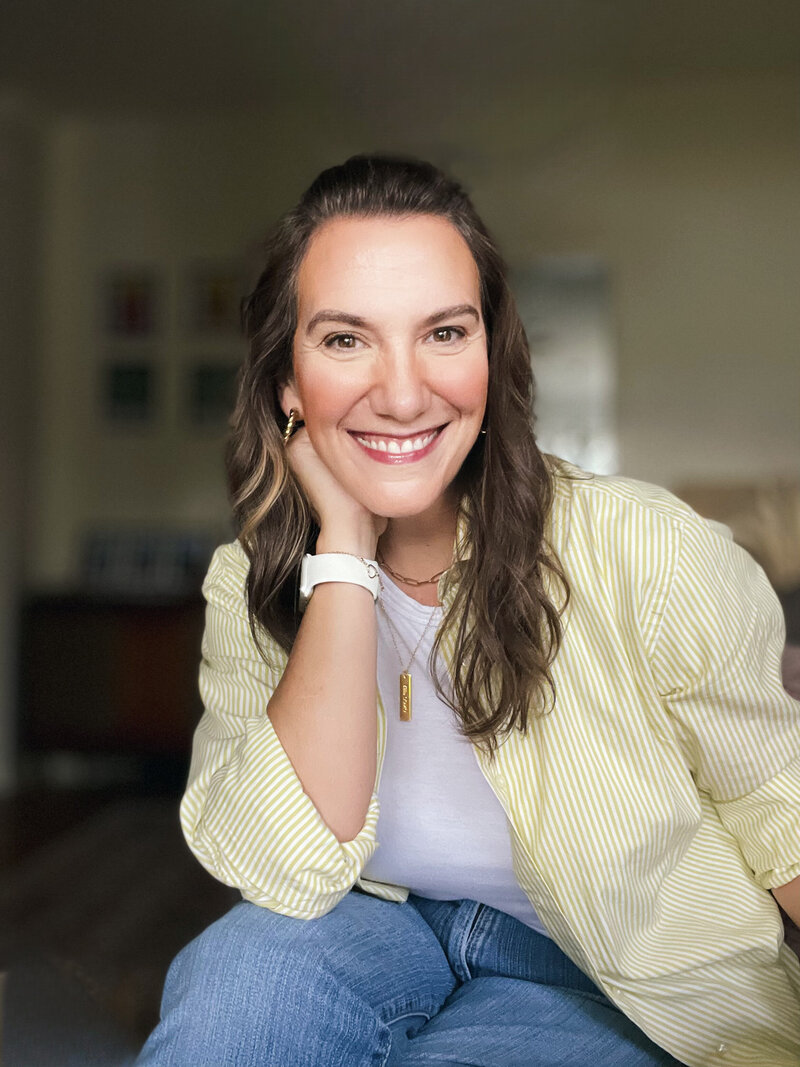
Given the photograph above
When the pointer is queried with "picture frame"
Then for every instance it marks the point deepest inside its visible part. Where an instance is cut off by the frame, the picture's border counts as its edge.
(213, 299)
(210, 392)
(131, 302)
(128, 390)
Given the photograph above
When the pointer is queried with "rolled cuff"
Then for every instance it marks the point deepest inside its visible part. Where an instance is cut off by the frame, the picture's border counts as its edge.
(252, 826)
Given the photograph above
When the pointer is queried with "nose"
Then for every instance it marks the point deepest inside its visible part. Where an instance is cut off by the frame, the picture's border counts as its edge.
(400, 390)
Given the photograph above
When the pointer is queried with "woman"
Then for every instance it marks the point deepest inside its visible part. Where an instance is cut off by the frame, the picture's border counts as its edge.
(582, 765)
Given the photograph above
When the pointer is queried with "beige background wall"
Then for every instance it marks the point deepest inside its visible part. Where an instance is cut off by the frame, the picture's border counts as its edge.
(689, 189)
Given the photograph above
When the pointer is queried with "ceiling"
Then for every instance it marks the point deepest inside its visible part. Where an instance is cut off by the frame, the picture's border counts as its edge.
(163, 56)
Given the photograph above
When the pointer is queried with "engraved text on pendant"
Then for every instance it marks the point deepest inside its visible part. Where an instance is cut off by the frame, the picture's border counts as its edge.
(405, 697)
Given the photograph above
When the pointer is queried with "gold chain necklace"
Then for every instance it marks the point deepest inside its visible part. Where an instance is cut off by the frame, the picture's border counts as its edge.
(405, 675)
(411, 581)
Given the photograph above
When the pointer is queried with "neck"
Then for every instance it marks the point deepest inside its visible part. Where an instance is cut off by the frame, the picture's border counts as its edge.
(420, 546)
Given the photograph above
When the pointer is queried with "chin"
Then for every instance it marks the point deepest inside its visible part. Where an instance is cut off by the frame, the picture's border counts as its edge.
(397, 505)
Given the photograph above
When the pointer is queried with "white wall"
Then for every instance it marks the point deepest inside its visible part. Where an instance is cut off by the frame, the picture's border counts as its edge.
(691, 192)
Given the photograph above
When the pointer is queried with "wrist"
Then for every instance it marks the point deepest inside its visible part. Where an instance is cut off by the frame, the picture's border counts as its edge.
(356, 543)
(338, 567)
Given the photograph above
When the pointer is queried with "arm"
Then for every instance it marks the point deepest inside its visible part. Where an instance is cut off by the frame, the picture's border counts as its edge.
(324, 708)
(245, 813)
(280, 800)
(788, 896)
(716, 659)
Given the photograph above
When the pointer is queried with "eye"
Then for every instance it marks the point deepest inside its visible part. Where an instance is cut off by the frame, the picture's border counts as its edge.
(447, 334)
(345, 342)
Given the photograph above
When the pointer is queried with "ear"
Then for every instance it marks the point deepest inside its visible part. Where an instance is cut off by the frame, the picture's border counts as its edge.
(289, 398)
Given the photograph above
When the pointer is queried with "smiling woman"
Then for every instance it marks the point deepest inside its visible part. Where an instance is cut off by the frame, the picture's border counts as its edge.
(561, 849)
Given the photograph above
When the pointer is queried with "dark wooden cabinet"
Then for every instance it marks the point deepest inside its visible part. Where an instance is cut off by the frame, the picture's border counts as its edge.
(100, 675)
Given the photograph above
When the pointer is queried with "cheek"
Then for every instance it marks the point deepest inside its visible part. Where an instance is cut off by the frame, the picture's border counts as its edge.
(466, 385)
(325, 398)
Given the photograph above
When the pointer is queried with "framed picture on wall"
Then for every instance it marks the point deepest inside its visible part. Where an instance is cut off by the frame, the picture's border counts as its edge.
(210, 393)
(130, 302)
(128, 391)
(213, 297)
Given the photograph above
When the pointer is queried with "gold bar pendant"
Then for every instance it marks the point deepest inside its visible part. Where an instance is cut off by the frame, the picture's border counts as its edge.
(405, 697)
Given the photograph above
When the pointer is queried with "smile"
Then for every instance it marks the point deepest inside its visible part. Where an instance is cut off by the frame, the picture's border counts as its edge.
(398, 449)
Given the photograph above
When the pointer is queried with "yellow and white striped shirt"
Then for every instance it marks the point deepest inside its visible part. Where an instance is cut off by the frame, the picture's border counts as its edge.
(649, 811)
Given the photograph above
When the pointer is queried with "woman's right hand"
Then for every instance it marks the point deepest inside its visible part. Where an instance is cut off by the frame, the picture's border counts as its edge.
(345, 524)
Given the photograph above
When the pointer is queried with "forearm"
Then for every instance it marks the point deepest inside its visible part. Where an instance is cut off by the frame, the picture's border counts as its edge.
(324, 709)
(788, 896)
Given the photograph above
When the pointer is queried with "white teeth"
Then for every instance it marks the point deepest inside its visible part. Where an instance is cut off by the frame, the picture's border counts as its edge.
(409, 444)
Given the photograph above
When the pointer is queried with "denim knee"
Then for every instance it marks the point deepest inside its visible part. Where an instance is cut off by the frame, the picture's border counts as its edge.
(261, 988)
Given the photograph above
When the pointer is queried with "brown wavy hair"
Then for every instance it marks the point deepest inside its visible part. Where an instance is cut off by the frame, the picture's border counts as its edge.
(507, 628)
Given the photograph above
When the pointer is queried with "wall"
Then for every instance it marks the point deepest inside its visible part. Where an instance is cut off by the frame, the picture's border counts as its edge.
(689, 190)
(19, 214)
(155, 194)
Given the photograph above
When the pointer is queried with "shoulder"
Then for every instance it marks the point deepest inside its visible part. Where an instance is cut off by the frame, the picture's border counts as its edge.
(227, 572)
(613, 510)
(228, 631)
(225, 590)
(630, 541)
(589, 492)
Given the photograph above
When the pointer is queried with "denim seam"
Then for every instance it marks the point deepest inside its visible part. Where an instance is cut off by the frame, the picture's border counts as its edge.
(399, 1018)
(463, 943)
(404, 1011)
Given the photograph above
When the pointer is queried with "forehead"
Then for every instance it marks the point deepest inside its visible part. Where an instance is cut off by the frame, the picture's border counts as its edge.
(422, 258)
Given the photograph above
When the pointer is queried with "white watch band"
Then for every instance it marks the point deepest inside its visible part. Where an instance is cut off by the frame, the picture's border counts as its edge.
(338, 567)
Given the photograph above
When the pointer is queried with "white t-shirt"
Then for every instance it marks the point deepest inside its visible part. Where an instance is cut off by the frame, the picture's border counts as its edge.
(442, 832)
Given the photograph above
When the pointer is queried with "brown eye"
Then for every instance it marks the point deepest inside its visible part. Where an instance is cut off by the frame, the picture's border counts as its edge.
(341, 340)
(446, 334)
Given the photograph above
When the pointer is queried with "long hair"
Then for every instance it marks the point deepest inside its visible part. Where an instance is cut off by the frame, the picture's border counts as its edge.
(507, 628)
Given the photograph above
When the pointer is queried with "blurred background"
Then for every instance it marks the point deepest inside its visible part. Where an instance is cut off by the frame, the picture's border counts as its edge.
(638, 163)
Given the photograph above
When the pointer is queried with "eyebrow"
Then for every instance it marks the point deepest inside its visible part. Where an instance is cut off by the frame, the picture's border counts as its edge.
(345, 318)
(454, 312)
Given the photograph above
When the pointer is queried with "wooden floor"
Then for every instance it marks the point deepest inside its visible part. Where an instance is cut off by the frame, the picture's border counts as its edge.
(98, 892)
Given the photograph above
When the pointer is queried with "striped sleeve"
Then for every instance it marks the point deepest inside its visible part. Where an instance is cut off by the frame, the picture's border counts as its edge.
(245, 815)
(716, 657)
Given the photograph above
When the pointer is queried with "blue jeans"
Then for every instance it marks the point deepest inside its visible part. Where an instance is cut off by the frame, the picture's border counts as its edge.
(377, 984)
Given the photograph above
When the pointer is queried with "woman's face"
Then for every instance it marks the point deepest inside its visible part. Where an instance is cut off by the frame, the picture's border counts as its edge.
(390, 358)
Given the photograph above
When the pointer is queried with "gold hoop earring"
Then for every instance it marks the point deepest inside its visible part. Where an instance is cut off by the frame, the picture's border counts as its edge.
(290, 426)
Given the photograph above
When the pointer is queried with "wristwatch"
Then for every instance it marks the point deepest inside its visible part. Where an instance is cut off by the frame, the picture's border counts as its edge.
(338, 567)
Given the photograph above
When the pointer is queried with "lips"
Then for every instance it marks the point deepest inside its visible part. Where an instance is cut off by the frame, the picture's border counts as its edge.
(391, 449)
